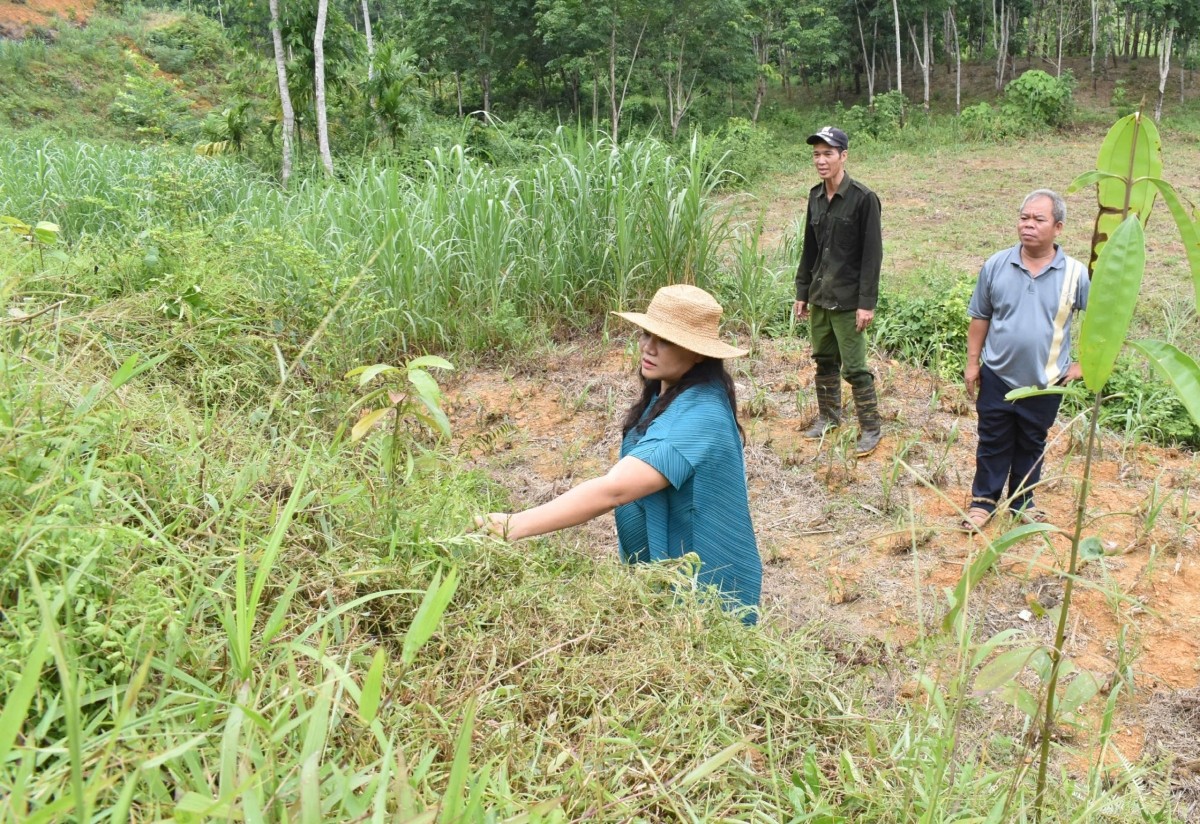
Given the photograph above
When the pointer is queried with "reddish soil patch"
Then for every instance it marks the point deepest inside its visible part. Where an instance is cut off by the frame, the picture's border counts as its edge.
(17, 18)
(838, 546)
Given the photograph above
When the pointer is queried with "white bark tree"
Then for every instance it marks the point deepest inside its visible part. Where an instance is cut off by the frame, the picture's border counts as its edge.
(923, 60)
(953, 23)
(370, 43)
(1164, 65)
(319, 86)
(868, 59)
(285, 98)
(679, 89)
(1002, 49)
(899, 59)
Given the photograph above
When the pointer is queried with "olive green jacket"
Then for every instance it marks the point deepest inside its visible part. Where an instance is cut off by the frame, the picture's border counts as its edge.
(843, 248)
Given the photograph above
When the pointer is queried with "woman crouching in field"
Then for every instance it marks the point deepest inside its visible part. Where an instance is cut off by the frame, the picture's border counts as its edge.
(680, 485)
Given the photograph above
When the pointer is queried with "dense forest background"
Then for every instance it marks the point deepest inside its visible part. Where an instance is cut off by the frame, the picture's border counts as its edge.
(394, 77)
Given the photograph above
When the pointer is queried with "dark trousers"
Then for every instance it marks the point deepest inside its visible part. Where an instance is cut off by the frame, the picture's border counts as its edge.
(1012, 438)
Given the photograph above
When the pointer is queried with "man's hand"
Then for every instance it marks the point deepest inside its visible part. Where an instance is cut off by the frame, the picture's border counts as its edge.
(863, 318)
(971, 380)
(1074, 373)
(801, 310)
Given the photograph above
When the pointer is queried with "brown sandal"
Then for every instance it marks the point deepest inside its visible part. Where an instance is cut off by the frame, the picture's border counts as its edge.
(977, 518)
(1033, 515)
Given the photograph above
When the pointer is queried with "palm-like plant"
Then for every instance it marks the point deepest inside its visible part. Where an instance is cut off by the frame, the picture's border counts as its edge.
(230, 129)
(396, 89)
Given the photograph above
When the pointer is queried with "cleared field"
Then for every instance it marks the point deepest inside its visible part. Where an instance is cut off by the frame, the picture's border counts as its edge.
(946, 210)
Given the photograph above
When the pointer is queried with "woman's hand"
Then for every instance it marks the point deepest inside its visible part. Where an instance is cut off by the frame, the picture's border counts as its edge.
(629, 480)
(498, 524)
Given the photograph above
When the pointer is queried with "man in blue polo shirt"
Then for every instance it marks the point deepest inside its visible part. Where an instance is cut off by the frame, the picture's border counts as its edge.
(1020, 335)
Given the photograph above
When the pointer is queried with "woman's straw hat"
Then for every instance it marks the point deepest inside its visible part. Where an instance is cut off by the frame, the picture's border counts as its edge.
(686, 316)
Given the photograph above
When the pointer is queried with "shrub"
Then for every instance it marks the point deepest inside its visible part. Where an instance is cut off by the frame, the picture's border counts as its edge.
(928, 330)
(886, 119)
(1040, 99)
(984, 122)
(1120, 100)
(1138, 403)
(191, 39)
(746, 147)
(154, 107)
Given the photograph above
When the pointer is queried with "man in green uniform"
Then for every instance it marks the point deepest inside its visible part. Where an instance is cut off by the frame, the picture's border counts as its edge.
(837, 285)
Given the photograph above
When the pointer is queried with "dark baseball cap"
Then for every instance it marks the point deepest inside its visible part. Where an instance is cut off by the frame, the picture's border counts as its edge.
(834, 137)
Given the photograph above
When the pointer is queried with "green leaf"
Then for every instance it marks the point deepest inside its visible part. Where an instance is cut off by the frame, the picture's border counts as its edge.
(45, 232)
(452, 801)
(310, 789)
(430, 360)
(1131, 150)
(983, 562)
(175, 752)
(1002, 669)
(426, 386)
(1081, 690)
(202, 806)
(1088, 178)
(368, 702)
(364, 424)
(1115, 285)
(989, 646)
(279, 614)
(1178, 369)
(1017, 696)
(368, 373)
(1090, 549)
(19, 226)
(436, 418)
(1189, 231)
(711, 765)
(16, 706)
(130, 369)
(1034, 392)
(429, 614)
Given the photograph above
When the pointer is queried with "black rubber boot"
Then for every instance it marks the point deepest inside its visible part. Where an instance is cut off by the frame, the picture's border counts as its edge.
(829, 406)
(870, 431)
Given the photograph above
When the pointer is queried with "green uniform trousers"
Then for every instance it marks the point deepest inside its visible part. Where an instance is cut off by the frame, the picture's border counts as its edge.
(839, 347)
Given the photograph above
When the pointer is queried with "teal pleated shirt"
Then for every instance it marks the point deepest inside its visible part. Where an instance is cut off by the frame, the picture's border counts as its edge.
(695, 445)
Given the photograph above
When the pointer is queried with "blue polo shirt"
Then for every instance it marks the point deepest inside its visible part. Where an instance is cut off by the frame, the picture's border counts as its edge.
(1029, 340)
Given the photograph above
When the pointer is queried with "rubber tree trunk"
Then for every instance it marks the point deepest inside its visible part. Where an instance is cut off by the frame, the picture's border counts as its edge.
(957, 63)
(1164, 67)
(868, 59)
(285, 98)
(319, 86)
(370, 44)
(923, 60)
(899, 58)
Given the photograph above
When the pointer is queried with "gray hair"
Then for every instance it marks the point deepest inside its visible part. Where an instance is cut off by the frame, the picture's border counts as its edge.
(1059, 208)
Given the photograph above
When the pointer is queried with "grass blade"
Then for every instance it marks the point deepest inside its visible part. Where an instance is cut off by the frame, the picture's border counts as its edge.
(17, 705)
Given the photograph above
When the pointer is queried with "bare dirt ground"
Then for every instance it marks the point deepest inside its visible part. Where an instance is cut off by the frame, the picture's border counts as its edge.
(872, 557)
(16, 18)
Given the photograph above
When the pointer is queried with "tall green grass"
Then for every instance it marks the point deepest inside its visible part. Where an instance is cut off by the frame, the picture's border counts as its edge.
(465, 257)
(209, 597)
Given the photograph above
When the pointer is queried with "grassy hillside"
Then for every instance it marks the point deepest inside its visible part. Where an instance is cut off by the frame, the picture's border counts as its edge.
(142, 77)
(232, 586)
(226, 594)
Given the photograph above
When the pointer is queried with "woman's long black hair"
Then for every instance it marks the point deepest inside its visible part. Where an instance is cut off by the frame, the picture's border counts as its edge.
(709, 370)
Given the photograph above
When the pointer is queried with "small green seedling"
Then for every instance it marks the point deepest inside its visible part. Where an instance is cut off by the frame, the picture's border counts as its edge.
(36, 237)
(408, 389)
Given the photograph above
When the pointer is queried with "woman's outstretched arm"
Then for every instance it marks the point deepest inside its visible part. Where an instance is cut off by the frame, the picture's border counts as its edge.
(629, 480)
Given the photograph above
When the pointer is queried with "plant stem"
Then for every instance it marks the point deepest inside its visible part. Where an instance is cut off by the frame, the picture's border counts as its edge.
(1137, 124)
(1060, 634)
